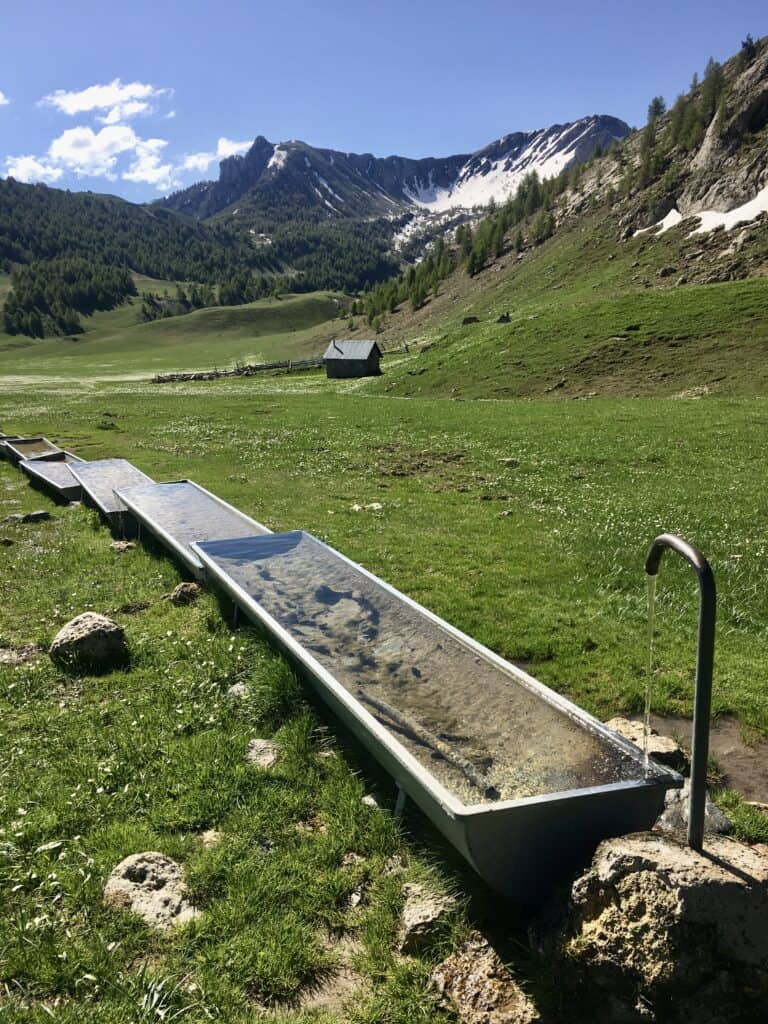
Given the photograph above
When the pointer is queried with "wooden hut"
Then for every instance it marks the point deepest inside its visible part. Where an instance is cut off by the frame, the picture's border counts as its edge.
(352, 359)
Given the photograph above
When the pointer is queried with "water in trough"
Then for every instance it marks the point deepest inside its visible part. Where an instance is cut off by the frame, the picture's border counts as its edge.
(480, 730)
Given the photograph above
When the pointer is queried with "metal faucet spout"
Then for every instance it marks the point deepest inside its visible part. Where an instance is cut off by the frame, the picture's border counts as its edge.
(702, 704)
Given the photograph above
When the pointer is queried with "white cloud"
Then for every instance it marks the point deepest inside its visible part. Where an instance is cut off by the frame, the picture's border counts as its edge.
(200, 162)
(197, 162)
(92, 154)
(117, 100)
(146, 168)
(227, 147)
(29, 168)
(4, 101)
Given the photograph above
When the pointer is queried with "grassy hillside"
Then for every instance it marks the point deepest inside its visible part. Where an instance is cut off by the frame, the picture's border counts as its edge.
(592, 315)
(114, 345)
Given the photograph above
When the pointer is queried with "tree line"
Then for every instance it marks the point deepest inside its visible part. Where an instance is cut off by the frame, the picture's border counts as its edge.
(48, 297)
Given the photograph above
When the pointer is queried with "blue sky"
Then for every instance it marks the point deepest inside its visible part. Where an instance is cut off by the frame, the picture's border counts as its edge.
(138, 99)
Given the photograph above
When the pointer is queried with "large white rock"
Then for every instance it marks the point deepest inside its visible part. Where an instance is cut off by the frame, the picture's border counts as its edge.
(90, 641)
(668, 934)
(152, 886)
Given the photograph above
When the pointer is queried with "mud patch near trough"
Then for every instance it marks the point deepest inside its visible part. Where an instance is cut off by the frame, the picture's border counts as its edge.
(744, 765)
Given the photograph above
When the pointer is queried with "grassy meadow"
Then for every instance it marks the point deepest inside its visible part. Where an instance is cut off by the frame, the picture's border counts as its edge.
(115, 346)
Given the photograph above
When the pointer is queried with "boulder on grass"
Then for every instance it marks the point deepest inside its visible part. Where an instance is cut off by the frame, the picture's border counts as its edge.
(152, 886)
(184, 593)
(667, 934)
(474, 983)
(90, 641)
(424, 913)
(262, 753)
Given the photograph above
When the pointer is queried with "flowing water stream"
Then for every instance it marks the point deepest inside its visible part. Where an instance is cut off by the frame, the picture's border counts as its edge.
(651, 591)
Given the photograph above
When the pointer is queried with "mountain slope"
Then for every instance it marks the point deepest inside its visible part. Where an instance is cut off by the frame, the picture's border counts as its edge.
(271, 182)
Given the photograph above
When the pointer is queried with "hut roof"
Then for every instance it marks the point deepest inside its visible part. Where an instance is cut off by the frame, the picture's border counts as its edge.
(339, 349)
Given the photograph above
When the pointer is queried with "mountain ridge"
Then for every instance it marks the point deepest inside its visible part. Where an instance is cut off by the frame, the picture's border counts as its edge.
(271, 177)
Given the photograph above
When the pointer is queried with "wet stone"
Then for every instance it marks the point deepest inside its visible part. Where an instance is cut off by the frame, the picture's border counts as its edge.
(674, 818)
(663, 749)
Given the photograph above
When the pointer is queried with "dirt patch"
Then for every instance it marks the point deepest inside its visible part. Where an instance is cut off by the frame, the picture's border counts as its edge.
(744, 765)
(334, 992)
(18, 655)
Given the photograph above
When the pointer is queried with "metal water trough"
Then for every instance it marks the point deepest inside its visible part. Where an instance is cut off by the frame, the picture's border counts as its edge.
(100, 478)
(52, 473)
(27, 448)
(558, 782)
(181, 511)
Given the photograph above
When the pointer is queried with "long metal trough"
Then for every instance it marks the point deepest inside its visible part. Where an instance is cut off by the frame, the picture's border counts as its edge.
(52, 473)
(520, 780)
(100, 478)
(181, 511)
(26, 448)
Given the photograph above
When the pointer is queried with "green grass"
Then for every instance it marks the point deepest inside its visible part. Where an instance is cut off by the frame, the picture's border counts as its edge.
(523, 523)
(114, 346)
(590, 316)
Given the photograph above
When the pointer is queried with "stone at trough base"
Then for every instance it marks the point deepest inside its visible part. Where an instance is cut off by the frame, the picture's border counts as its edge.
(152, 886)
(423, 914)
(184, 593)
(237, 691)
(662, 749)
(665, 934)
(674, 818)
(90, 641)
(474, 983)
(262, 753)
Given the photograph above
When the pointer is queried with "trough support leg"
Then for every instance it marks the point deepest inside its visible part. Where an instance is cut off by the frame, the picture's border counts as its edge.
(235, 616)
(400, 803)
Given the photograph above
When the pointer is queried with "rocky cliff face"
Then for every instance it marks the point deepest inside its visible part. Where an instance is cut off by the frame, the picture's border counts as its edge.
(283, 180)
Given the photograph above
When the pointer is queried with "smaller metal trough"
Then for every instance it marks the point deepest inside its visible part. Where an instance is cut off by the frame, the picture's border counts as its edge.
(522, 782)
(182, 511)
(52, 473)
(19, 449)
(100, 478)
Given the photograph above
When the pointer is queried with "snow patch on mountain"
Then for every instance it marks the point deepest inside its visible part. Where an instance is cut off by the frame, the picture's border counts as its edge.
(483, 179)
(709, 220)
(278, 158)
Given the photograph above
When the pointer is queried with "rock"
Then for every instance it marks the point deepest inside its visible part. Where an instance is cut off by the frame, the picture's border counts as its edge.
(28, 517)
(681, 281)
(262, 753)
(504, 318)
(469, 320)
(237, 691)
(152, 886)
(370, 801)
(662, 749)
(211, 837)
(422, 917)
(6, 542)
(474, 983)
(675, 815)
(666, 271)
(122, 545)
(90, 641)
(667, 934)
(184, 593)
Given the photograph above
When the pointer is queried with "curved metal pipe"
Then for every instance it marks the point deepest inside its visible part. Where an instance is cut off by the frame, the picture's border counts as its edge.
(702, 702)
